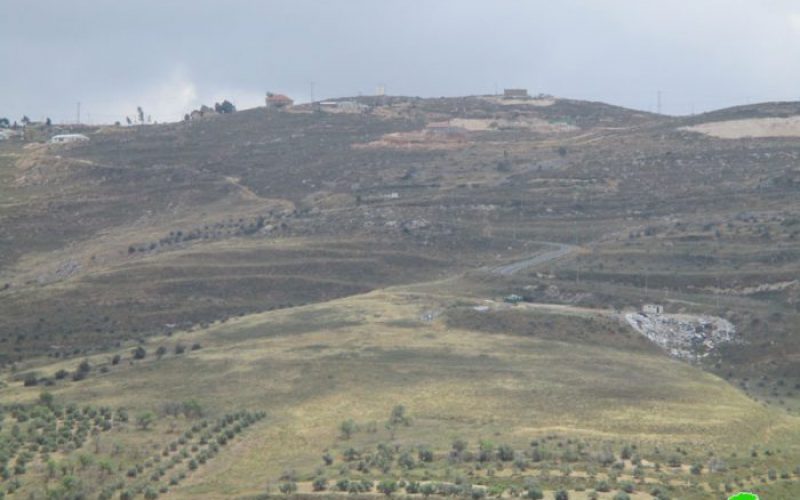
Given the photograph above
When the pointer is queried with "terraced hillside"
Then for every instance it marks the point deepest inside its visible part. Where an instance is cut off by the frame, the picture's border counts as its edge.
(427, 298)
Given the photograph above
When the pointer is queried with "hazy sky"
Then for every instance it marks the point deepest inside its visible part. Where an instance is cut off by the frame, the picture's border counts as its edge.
(171, 56)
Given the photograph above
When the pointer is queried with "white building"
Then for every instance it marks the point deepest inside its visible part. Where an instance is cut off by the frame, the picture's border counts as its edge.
(352, 106)
(653, 309)
(68, 138)
(343, 106)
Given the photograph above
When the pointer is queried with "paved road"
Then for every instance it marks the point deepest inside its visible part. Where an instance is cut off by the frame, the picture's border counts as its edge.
(559, 251)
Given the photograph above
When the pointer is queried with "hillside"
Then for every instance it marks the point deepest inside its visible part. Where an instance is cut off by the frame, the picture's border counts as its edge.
(300, 275)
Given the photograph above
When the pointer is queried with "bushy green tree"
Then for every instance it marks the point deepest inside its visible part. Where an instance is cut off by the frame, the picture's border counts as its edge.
(486, 451)
(348, 428)
(406, 460)
(225, 107)
(145, 419)
(387, 486)
(47, 399)
(399, 417)
(412, 487)
(505, 453)
(30, 380)
(534, 492)
(191, 409)
(288, 487)
(320, 484)
(477, 493)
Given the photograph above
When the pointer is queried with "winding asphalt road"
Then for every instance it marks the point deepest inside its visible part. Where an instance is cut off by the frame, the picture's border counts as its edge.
(561, 250)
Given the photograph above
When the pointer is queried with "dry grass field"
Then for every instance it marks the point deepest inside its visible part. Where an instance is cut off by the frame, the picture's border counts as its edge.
(312, 367)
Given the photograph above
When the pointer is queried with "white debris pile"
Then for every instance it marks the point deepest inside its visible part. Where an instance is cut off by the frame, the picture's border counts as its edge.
(683, 336)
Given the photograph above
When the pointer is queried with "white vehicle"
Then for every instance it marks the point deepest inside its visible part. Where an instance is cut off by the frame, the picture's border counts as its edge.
(68, 138)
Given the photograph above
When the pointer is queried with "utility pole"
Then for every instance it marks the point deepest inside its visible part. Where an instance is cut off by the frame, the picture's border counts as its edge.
(311, 88)
(719, 285)
(78, 114)
(515, 206)
(577, 259)
(513, 231)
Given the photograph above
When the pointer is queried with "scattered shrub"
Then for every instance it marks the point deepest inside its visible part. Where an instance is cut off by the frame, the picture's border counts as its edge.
(145, 419)
(347, 428)
(387, 487)
(319, 484)
(505, 453)
(288, 487)
(30, 380)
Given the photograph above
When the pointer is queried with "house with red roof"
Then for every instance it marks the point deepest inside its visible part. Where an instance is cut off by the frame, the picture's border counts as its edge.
(278, 101)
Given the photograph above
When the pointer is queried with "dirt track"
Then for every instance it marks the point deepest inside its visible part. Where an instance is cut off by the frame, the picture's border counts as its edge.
(561, 250)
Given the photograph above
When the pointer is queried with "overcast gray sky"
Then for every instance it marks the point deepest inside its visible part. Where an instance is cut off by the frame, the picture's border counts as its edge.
(171, 56)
